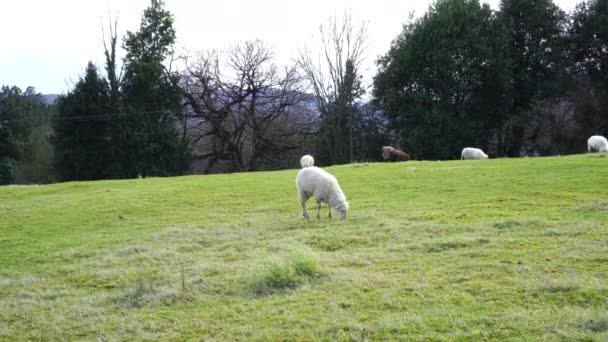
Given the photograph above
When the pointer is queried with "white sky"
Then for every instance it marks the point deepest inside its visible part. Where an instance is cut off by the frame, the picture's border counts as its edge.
(46, 44)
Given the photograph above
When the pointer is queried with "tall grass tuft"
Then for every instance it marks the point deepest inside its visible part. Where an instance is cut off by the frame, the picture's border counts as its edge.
(286, 273)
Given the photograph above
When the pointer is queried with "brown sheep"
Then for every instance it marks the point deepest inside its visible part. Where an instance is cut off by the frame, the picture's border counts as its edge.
(393, 154)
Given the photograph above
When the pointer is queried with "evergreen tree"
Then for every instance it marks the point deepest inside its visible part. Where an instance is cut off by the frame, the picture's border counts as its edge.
(589, 40)
(20, 114)
(536, 47)
(537, 52)
(588, 36)
(340, 119)
(82, 133)
(145, 135)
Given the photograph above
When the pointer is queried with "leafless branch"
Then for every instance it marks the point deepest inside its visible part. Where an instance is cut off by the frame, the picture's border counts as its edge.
(249, 102)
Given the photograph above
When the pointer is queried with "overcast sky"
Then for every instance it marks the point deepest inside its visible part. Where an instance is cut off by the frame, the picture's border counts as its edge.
(46, 44)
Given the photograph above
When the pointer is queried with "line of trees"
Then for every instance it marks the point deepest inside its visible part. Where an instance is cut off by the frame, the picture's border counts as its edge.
(124, 125)
(524, 79)
(25, 151)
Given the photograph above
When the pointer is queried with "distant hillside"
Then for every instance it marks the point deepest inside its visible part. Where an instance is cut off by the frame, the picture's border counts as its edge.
(50, 99)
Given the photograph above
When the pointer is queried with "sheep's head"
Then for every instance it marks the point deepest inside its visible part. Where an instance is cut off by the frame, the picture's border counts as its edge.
(386, 150)
(342, 210)
(307, 161)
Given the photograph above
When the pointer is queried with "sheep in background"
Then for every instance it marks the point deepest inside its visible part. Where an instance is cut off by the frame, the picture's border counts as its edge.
(393, 154)
(597, 143)
(472, 153)
(307, 161)
(314, 181)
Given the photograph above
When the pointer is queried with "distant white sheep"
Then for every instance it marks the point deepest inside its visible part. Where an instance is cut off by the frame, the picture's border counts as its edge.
(314, 181)
(307, 161)
(597, 143)
(472, 153)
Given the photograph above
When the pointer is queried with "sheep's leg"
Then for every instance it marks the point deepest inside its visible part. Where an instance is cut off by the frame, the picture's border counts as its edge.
(319, 210)
(304, 211)
(303, 199)
(329, 206)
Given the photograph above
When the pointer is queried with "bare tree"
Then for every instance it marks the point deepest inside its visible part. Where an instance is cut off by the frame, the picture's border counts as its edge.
(250, 111)
(335, 80)
(110, 54)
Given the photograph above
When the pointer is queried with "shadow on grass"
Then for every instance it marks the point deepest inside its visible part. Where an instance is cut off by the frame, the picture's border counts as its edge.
(448, 245)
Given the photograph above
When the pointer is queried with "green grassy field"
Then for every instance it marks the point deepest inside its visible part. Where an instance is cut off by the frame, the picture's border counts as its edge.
(504, 249)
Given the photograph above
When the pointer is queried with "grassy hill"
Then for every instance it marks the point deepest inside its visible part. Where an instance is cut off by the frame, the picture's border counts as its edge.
(493, 249)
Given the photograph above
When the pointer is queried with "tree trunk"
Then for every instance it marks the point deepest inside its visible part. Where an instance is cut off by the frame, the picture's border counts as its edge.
(350, 135)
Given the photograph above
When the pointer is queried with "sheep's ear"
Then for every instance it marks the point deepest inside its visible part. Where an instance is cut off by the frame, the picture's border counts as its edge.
(347, 205)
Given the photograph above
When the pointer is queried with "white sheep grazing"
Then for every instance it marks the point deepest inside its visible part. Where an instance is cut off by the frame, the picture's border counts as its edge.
(597, 143)
(472, 153)
(314, 181)
(307, 161)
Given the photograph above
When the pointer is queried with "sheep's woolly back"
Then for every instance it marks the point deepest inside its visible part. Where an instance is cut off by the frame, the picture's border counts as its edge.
(473, 153)
(307, 161)
(597, 143)
(322, 185)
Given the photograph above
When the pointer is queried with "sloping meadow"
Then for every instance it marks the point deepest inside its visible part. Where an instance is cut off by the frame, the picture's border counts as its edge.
(491, 249)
